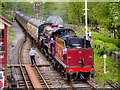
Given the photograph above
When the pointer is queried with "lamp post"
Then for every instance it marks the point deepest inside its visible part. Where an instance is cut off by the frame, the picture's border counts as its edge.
(104, 56)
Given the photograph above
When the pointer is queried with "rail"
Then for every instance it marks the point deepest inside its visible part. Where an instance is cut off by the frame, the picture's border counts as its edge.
(113, 85)
(92, 84)
(21, 68)
(42, 77)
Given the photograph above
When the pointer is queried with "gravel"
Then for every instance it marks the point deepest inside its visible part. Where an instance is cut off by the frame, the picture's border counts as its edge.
(19, 38)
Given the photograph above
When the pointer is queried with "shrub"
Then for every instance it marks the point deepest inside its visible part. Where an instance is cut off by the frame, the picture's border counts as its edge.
(101, 47)
(109, 47)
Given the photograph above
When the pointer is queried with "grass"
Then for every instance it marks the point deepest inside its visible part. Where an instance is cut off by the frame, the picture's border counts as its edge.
(103, 38)
(11, 38)
(111, 67)
(106, 45)
(12, 35)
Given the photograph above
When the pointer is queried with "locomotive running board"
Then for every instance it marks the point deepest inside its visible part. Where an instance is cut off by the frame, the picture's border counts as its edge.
(60, 62)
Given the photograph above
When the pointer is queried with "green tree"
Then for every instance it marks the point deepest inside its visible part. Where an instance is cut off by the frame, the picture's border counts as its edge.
(26, 7)
(75, 12)
(114, 23)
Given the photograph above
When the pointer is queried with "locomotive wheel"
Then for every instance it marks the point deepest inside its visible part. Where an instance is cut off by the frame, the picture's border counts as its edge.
(56, 66)
(63, 72)
(49, 57)
(92, 75)
(43, 50)
(60, 69)
(86, 75)
(53, 62)
(68, 77)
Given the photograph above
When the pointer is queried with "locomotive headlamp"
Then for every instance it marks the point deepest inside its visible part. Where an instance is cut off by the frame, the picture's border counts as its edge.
(71, 72)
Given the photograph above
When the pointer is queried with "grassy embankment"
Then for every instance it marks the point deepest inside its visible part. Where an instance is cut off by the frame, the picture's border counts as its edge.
(102, 44)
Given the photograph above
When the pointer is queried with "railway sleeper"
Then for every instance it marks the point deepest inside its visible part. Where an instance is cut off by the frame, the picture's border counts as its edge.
(22, 84)
(21, 81)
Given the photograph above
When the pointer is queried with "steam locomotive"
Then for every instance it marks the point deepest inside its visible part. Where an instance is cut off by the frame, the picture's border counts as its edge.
(69, 54)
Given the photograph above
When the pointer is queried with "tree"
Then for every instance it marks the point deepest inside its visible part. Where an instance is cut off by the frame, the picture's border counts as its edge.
(75, 11)
(26, 7)
(114, 26)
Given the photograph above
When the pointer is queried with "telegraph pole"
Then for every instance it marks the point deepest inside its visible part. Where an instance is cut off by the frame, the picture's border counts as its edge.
(86, 28)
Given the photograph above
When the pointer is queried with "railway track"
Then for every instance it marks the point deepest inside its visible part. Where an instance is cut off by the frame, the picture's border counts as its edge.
(45, 82)
(26, 80)
(93, 84)
(113, 85)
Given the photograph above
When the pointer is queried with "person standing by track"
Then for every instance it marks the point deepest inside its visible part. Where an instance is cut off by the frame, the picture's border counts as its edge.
(32, 55)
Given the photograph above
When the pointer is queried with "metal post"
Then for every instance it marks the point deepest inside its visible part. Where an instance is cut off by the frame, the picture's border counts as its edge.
(86, 19)
(104, 65)
(104, 56)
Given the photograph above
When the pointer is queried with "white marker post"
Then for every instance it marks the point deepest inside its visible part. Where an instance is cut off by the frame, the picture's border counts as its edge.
(104, 56)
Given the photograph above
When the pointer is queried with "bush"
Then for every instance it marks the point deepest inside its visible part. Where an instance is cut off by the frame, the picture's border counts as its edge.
(109, 47)
(101, 47)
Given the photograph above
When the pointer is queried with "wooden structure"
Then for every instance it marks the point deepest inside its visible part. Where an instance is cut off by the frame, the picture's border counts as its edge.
(4, 23)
